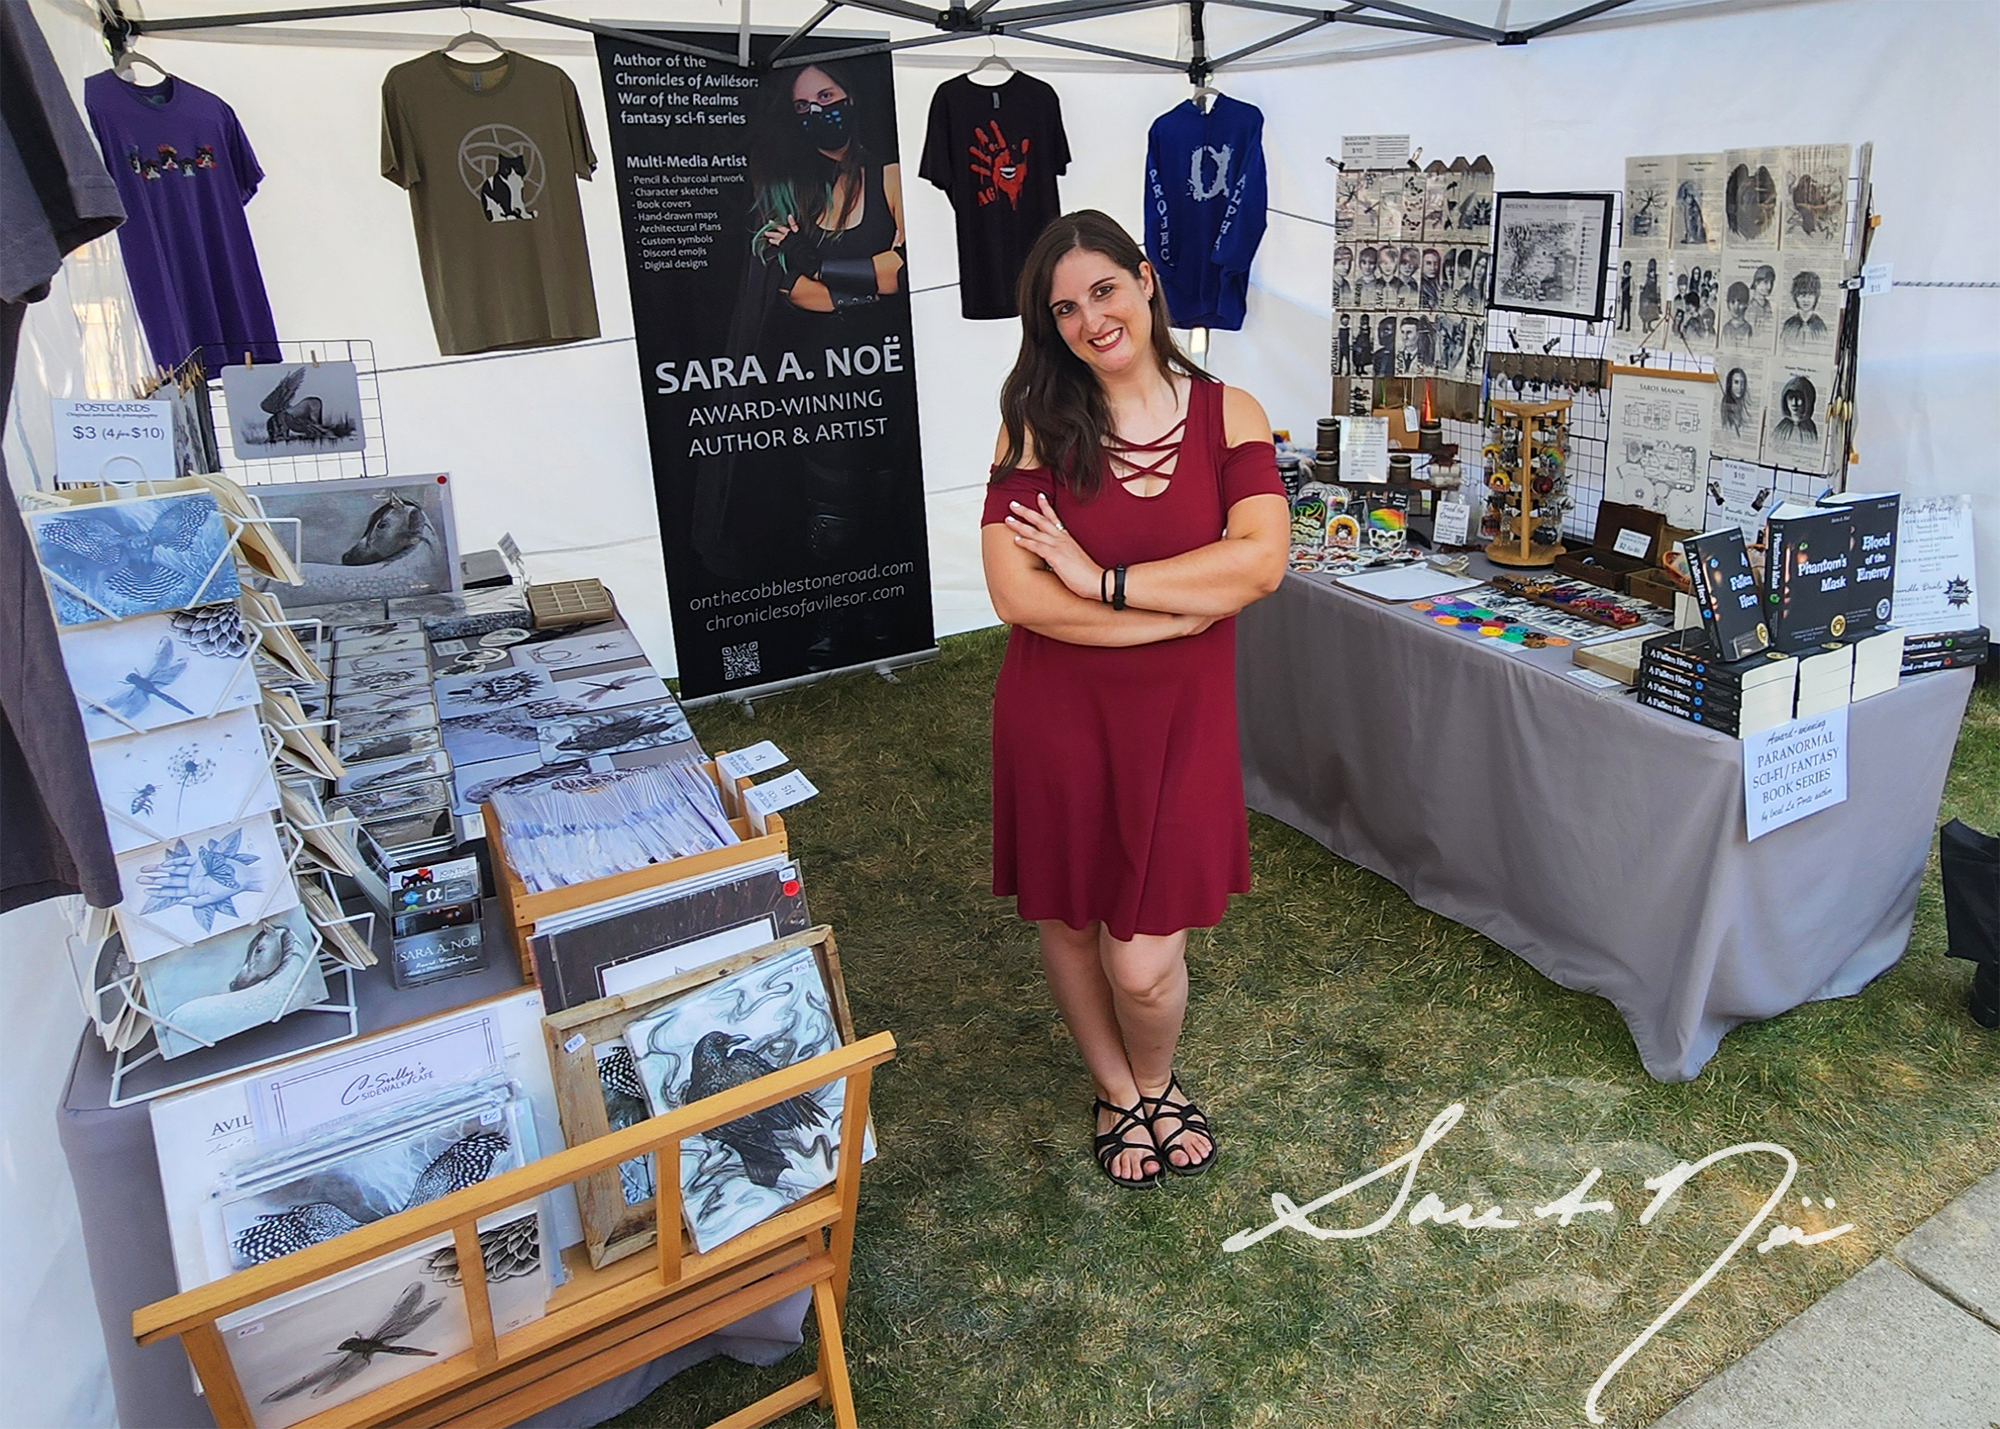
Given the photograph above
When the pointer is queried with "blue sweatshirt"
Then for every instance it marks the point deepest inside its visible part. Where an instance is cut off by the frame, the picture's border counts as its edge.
(1205, 208)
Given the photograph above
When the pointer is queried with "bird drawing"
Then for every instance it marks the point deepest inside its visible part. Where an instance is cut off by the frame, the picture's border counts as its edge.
(122, 560)
(142, 687)
(395, 528)
(300, 420)
(357, 1352)
(465, 1162)
(717, 1066)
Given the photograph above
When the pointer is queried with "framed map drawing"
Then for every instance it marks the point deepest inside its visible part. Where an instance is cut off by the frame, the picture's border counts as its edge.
(1551, 253)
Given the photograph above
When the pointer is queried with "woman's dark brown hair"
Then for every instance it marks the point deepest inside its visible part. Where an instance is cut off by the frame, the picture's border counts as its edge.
(1052, 397)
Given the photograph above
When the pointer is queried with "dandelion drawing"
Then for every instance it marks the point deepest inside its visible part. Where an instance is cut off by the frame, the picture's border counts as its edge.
(188, 767)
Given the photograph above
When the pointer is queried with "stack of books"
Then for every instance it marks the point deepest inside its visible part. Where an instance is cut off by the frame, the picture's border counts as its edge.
(1946, 650)
(1878, 662)
(1826, 679)
(1682, 674)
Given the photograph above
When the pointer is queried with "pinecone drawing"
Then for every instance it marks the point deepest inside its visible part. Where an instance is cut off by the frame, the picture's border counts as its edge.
(213, 630)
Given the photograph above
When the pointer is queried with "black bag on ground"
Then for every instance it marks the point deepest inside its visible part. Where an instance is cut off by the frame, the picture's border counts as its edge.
(1971, 866)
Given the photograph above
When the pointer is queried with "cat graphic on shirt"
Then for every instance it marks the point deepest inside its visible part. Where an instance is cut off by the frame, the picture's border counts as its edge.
(502, 195)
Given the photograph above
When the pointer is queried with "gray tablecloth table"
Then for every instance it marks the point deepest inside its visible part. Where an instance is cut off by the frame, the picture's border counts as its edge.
(1601, 841)
(111, 1161)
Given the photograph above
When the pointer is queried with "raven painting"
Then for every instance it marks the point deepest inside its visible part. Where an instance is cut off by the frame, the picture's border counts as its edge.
(718, 1066)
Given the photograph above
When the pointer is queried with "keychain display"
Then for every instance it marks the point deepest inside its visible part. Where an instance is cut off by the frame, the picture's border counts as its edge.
(1527, 482)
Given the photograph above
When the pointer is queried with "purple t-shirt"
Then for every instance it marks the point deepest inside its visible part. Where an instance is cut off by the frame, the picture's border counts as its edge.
(185, 170)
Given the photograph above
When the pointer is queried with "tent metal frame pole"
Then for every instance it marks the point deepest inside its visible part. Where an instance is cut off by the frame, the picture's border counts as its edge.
(960, 21)
(1352, 15)
(1467, 29)
(1264, 44)
(1109, 53)
(875, 47)
(1535, 32)
(802, 31)
(1064, 10)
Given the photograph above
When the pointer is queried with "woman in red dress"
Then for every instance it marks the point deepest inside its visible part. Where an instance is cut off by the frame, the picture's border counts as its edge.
(1135, 508)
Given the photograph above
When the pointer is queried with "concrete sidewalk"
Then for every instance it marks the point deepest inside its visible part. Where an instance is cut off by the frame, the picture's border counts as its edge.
(1912, 1342)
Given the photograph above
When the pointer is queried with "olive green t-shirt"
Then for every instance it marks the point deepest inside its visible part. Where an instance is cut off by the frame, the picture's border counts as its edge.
(491, 153)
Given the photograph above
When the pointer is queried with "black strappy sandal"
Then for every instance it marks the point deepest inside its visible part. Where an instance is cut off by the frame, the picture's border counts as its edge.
(1191, 1119)
(1109, 1143)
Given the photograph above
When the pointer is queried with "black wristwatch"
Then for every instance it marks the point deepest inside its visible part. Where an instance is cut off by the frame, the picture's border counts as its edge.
(1118, 589)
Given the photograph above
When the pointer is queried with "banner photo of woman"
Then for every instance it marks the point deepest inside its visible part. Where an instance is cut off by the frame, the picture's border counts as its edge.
(764, 242)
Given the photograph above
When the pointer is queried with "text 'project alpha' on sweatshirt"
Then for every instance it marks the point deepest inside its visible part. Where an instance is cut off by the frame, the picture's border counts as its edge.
(1205, 208)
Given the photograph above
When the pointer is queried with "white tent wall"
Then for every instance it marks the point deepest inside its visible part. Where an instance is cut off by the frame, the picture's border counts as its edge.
(551, 445)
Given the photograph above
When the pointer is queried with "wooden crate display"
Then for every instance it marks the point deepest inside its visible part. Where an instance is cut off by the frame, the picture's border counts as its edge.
(613, 1229)
(521, 909)
(602, 1323)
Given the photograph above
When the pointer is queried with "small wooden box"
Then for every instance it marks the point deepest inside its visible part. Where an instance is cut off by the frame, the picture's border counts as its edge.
(557, 605)
(1602, 563)
(522, 909)
(1654, 586)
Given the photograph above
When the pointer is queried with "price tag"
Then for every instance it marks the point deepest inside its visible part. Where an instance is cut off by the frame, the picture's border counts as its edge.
(1374, 151)
(1454, 519)
(760, 801)
(113, 441)
(1632, 543)
(1877, 278)
(742, 763)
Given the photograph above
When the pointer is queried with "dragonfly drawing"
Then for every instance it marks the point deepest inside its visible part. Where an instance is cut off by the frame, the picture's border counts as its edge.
(596, 690)
(142, 687)
(357, 1352)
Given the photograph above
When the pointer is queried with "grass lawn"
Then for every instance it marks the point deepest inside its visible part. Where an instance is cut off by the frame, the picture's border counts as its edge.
(1000, 1281)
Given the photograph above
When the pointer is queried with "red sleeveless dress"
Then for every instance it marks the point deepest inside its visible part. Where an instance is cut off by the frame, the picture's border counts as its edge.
(1117, 784)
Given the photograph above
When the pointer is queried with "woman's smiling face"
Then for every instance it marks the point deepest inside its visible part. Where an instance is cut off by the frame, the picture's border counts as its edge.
(1102, 311)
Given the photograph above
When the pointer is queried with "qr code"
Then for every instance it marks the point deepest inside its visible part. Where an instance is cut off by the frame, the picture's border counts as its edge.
(740, 662)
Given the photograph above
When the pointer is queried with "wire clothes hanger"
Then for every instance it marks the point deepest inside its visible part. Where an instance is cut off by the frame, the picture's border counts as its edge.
(472, 37)
(994, 60)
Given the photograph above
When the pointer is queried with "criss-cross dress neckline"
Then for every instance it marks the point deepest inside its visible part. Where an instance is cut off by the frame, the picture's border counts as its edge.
(1135, 463)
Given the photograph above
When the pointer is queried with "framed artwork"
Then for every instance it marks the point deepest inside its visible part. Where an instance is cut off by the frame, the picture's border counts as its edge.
(770, 1015)
(227, 984)
(363, 539)
(155, 670)
(109, 560)
(311, 409)
(1551, 253)
(183, 778)
(599, 1087)
(492, 689)
(1662, 428)
(369, 748)
(202, 884)
(393, 772)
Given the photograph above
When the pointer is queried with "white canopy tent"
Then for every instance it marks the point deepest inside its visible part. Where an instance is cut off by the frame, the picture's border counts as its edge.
(550, 444)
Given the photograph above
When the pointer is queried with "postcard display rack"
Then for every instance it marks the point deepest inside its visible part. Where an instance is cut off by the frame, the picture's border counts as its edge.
(229, 918)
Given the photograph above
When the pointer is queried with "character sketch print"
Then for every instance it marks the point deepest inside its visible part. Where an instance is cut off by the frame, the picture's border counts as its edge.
(745, 1026)
(109, 560)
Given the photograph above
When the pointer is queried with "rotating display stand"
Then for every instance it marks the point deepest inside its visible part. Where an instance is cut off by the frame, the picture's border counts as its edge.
(1525, 480)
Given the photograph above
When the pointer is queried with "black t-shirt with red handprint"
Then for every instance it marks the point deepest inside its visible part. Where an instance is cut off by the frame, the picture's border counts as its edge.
(996, 150)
